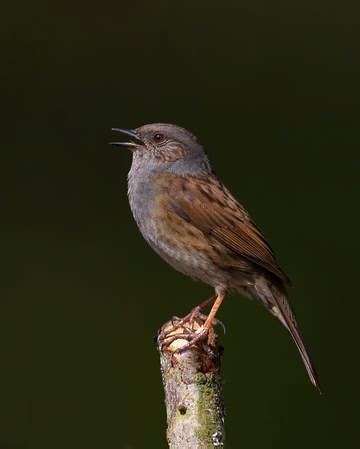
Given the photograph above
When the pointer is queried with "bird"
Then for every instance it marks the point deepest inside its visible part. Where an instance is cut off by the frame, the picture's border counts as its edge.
(193, 222)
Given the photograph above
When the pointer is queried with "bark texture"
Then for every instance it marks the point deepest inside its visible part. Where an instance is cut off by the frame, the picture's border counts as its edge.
(193, 391)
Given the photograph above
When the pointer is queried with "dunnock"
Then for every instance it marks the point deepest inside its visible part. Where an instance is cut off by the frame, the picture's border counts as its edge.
(194, 223)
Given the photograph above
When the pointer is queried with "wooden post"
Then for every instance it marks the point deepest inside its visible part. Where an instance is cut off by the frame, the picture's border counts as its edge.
(193, 391)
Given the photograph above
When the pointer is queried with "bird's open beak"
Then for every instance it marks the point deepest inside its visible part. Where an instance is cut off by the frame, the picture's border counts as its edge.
(127, 132)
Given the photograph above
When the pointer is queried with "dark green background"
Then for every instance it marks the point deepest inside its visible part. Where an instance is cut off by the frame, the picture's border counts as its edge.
(272, 90)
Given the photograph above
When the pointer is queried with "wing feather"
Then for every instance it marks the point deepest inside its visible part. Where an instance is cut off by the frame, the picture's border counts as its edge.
(210, 207)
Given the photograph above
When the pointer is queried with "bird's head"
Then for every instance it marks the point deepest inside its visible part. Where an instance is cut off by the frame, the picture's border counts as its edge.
(164, 147)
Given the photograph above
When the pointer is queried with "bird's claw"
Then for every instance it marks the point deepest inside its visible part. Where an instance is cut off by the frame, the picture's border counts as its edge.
(194, 338)
(194, 316)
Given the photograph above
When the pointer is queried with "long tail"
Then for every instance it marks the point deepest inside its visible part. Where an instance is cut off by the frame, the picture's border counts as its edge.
(275, 299)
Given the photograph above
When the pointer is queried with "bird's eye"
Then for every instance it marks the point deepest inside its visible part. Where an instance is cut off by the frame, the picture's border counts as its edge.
(158, 137)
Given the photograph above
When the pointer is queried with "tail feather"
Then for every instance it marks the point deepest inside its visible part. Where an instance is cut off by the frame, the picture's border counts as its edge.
(275, 299)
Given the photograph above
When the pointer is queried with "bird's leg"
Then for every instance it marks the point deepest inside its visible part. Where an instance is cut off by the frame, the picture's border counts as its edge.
(202, 319)
(203, 331)
(185, 326)
(194, 315)
(167, 335)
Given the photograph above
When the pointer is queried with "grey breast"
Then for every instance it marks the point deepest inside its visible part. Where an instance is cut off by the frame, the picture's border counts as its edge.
(141, 193)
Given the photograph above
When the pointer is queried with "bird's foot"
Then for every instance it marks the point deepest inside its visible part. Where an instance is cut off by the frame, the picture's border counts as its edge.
(189, 324)
(195, 316)
(166, 339)
(192, 337)
(202, 334)
(189, 321)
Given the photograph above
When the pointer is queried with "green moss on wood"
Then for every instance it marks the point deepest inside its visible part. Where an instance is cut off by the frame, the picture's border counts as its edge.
(210, 411)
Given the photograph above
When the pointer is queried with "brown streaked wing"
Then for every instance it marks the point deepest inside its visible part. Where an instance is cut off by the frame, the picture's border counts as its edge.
(203, 202)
